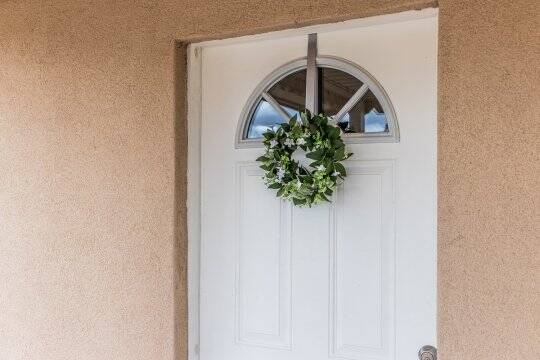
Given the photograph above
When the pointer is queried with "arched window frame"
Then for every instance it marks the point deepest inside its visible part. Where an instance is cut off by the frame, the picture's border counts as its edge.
(337, 63)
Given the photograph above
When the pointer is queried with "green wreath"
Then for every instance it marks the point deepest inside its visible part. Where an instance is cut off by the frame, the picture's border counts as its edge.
(321, 140)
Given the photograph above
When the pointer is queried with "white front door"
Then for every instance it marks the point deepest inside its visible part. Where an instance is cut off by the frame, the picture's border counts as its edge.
(354, 279)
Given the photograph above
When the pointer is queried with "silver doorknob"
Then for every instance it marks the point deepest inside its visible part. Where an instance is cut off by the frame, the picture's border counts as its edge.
(427, 352)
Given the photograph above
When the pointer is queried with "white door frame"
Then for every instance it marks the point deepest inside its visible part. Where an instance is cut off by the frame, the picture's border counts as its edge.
(194, 80)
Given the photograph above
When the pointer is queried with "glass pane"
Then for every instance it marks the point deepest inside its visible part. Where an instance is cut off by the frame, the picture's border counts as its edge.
(367, 116)
(264, 117)
(337, 87)
(290, 92)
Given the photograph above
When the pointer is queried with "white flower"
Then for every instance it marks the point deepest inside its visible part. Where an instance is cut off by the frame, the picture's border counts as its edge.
(332, 120)
(320, 168)
(289, 142)
(301, 141)
(280, 174)
(336, 173)
(273, 143)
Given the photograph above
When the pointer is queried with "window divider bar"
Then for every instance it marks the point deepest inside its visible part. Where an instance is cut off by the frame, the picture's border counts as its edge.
(273, 102)
(352, 102)
(312, 83)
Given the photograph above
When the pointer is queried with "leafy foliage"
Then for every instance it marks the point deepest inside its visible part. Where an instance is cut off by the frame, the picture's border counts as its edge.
(321, 140)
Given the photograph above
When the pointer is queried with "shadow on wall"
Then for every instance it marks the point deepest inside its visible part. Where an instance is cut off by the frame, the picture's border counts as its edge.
(180, 196)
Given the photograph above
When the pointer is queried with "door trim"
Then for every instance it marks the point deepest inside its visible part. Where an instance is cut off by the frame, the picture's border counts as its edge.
(193, 201)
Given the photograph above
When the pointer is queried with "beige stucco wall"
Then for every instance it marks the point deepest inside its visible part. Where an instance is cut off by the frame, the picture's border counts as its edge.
(92, 245)
(489, 179)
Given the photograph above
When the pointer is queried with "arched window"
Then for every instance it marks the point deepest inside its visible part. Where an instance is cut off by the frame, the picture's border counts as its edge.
(344, 91)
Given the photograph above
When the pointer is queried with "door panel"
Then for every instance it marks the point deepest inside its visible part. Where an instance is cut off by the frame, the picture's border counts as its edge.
(263, 288)
(362, 258)
(353, 279)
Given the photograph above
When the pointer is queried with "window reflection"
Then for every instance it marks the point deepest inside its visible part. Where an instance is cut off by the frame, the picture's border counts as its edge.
(337, 87)
(367, 116)
(290, 92)
(266, 118)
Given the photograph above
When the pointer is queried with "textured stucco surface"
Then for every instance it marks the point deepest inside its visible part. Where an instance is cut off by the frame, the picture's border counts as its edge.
(489, 180)
(92, 160)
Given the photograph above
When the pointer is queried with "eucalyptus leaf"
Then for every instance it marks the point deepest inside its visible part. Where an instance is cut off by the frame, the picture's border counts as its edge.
(322, 196)
(340, 169)
(339, 154)
(267, 167)
(293, 120)
(316, 155)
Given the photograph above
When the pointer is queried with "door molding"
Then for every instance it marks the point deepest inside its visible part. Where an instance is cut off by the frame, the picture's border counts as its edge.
(384, 170)
(193, 202)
